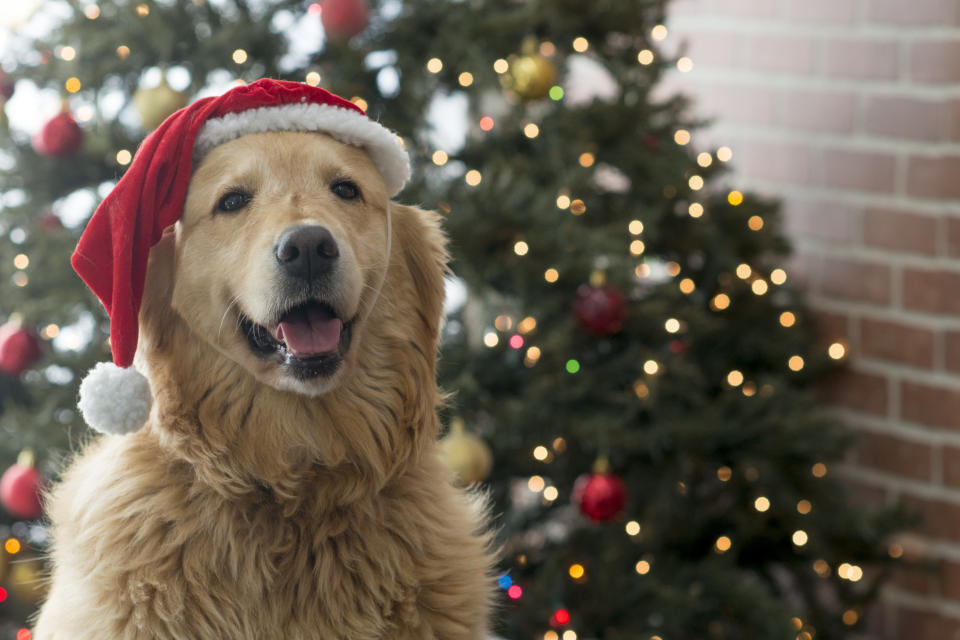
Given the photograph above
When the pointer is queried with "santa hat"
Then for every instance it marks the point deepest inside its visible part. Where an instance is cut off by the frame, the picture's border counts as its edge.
(111, 256)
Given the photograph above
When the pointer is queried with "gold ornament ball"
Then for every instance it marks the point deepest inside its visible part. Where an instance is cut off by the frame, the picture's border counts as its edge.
(156, 103)
(530, 76)
(27, 579)
(466, 454)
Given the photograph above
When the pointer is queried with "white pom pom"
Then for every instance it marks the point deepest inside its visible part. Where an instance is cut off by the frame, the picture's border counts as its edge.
(115, 400)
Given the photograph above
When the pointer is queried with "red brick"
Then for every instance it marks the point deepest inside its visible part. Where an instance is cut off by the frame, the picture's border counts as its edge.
(855, 280)
(818, 111)
(951, 352)
(951, 466)
(710, 49)
(831, 327)
(821, 11)
(791, 54)
(953, 236)
(931, 290)
(900, 457)
(929, 405)
(860, 170)
(776, 161)
(909, 118)
(864, 392)
(934, 13)
(933, 177)
(939, 519)
(825, 220)
(935, 62)
(866, 59)
(917, 579)
(739, 104)
(738, 8)
(913, 624)
(889, 229)
(952, 117)
(950, 580)
(896, 342)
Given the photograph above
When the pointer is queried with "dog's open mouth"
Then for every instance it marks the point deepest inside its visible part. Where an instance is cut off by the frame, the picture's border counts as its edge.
(309, 340)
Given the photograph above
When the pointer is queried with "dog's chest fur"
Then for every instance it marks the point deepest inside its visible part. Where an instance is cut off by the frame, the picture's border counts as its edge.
(162, 555)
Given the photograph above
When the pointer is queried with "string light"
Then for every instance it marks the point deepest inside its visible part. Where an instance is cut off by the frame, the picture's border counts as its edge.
(837, 351)
(551, 635)
(673, 269)
(50, 331)
(695, 183)
(749, 389)
(434, 65)
(143, 10)
(556, 92)
(637, 248)
(799, 537)
(551, 275)
(723, 544)
(821, 568)
(547, 48)
(632, 528)
(762, 504)
(645, 57)
(572, 366)
(536, 484)
(681, 137)
(850, 617)
(532, 356)
(672, 325)
(724, 474)
(651, 367)
(685, 64)
(21, 261)
(516, 342)
(787, 319)
(440, 157)
(576, 571)
(704, 159)
(695, 209)
(755, 223)
(550, 494)
(687, 286)
(819, 470)
(68, 53)
(642, 567)
(795, 363)
(531, 130)
(641, 389)
(744, 271)
(85, 113)
(20, 279)
(313, 79)
(124, 157)
(587, 159)
(720, 302)
(473, 177)
(569, 634)
(895, 551)
(778, 276)
(580, 44)
(239, 56)
(724, 154)
(797, 623)
(735, 198)
(658, 33)
(514, 592)
(759, 286)
(734, 378)
(72, 85)
(540, 453)
(521, 248)
(563, 201)
(500, 65)
(527, 325)
(491, 339)
(12, 546)
(465, 79)
(578, 207)
(92, 11)
(559, 445)
(804, 507)
(635, 227)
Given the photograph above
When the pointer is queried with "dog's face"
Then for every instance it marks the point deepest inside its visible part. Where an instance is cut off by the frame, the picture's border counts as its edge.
(281, 253)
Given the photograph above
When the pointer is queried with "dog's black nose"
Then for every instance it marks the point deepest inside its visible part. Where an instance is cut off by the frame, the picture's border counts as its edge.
(307, 252)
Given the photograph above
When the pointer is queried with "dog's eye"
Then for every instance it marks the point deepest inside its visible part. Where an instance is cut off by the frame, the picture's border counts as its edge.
(346, 190)
(234, 201)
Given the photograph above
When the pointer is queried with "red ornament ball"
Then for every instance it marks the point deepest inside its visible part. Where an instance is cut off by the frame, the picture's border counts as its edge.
(600, 310)
(600, 496)
(61, 137)
(343, 19)
(20, 489)
(19, 348)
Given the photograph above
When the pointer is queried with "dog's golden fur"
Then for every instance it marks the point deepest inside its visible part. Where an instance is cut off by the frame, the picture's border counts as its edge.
(252, 507)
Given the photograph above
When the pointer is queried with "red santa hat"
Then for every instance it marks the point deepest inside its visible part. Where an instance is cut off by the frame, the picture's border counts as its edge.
(111, 256)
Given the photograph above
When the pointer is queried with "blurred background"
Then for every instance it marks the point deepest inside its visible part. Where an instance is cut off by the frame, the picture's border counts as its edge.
(689, 431)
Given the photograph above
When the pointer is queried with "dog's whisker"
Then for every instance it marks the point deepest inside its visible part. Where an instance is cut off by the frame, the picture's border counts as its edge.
(233, 301)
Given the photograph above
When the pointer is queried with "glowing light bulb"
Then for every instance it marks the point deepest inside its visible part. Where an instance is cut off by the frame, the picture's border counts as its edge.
(434, 65)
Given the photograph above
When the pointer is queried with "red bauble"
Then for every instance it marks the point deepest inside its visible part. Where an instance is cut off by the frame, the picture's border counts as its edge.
(21, 487)
(600, 496)
(19, 348)
(343, 19)
(600, 310)
(61, 137)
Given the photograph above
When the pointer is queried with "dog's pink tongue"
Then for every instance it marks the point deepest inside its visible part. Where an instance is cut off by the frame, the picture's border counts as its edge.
(313, 331)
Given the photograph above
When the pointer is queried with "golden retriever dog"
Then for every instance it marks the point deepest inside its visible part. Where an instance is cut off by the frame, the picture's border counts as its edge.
(287, 483)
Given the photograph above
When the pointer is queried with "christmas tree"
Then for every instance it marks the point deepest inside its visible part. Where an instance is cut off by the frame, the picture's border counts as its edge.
(632, 350)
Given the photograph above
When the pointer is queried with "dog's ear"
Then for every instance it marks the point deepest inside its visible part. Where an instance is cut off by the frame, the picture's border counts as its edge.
(421, 246)
(155, 309)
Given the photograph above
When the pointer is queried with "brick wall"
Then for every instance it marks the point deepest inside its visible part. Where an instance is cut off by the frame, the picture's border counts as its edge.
(849, 110)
